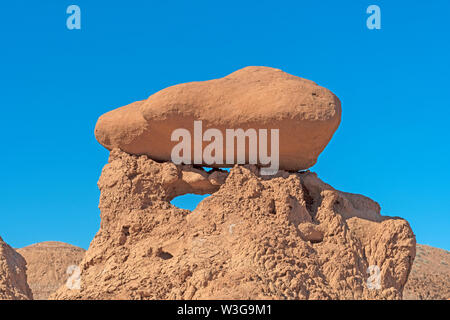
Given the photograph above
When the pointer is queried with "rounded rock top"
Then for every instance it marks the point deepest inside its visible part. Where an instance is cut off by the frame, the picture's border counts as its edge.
(305, 114)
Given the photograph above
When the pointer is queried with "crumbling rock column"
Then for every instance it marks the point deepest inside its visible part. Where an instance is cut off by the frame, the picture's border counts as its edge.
(291, 236)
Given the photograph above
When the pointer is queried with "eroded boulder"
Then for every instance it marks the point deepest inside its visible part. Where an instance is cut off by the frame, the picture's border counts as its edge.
(305, 114)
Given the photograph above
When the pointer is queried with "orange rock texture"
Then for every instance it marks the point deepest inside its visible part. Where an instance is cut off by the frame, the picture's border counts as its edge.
(305, 114)
(13, 277)
(430, 276)
(290, 236)
(47, 265)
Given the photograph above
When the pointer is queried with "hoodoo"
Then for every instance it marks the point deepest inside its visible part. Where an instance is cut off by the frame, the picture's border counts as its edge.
(287, 235)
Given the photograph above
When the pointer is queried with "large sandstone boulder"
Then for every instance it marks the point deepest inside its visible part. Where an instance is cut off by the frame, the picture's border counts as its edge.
(291, 236)
(48, 266)
(13, 277)
(306, 115)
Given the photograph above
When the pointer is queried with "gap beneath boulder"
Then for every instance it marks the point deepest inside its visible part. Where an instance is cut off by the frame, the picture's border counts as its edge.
(188, 201)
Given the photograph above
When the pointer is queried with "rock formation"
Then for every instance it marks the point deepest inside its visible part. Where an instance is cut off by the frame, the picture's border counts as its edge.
(47, 265)
(284, 236)
(430, 275)
(13, 278)
(290, 236)
(306, 115)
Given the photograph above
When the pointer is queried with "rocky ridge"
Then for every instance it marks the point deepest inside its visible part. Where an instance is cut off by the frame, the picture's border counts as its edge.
(48, 266)
(430, 276)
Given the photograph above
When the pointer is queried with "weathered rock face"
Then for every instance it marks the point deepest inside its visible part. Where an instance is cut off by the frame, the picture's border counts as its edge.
(13, 278)
(47, 266)
(430, 275)
(306, 115)
(285, 237)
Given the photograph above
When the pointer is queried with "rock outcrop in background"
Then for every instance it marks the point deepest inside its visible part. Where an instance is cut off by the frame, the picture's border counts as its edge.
(430, 276)
(291, 236)
(47, 265)
(13, 277)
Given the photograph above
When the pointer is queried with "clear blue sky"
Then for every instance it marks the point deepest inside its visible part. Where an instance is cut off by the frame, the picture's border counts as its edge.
(392, 145)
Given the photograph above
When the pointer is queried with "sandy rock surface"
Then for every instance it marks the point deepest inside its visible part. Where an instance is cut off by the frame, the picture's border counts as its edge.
(47, 264)
(13, 277)
(286, 237)
(430, 275)
(306, 114)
